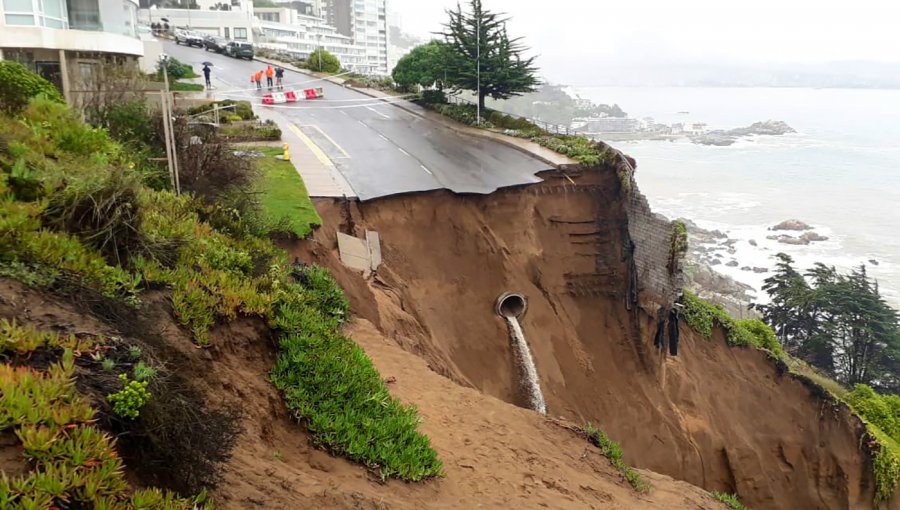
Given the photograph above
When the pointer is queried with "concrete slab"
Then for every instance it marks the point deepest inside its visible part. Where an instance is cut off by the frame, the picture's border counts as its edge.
(373, 240)
(354, 252)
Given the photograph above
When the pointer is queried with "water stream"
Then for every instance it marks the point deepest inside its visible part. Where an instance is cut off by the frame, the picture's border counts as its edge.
(529, 372)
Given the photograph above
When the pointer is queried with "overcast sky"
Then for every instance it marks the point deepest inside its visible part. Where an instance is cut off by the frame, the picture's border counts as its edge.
(566, 33)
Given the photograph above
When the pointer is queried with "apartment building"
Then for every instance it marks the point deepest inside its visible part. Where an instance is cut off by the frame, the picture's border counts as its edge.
(69, 41)
(365, 21)
(286, 29)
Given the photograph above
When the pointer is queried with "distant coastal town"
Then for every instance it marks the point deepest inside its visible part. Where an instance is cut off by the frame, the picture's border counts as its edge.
(628, 128)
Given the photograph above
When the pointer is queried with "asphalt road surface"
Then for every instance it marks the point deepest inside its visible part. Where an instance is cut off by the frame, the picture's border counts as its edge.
(380, 148)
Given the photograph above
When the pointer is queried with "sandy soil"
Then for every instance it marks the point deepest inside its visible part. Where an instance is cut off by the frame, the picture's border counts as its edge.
(496, 455)
(720, 418)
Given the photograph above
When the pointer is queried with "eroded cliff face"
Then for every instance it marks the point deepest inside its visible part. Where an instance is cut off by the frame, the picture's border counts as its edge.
(722, 418)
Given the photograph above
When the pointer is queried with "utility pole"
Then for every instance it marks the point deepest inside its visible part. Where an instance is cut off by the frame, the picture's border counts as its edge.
(478, 62)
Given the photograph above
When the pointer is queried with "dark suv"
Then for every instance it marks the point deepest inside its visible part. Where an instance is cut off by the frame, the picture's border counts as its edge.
(214, 43)
(239, 49)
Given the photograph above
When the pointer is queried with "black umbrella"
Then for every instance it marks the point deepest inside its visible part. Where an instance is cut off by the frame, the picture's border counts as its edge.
(210, 64)
(165, 20)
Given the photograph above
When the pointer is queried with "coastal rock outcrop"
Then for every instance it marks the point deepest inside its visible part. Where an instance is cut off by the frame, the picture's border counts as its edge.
(796, 225)
(722, 137)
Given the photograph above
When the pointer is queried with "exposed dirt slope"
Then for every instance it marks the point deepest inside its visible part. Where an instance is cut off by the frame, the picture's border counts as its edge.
(496, 455)
(714, 416)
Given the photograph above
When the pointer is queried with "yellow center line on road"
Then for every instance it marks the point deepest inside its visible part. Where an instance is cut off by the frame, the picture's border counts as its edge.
(319, 153)
(330, 139)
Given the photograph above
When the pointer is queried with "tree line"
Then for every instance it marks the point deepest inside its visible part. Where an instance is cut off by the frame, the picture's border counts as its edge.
(838, 323)
(474, 52)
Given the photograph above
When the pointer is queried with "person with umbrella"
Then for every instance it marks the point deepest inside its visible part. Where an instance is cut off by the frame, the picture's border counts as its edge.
(206, 72)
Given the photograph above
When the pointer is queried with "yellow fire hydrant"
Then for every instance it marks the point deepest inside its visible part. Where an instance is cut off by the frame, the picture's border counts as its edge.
(287, 156)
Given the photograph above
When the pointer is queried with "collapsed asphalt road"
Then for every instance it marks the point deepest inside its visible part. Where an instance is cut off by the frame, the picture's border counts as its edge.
(380, 149)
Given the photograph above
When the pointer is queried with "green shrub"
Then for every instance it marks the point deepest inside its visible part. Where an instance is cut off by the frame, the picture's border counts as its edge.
(879, 410)
(176, 69)
(18, 85)
(128, 402)
(266, 131)
(613, 451)
(678, 244)
(503, 121)
(701, 316)
(329, 382)
(59, 132)
(323, 61)
(578, 148)
(144, 372)
(179, 86)
(433, 96)
(102, 209)
(72, 463)
(730, 500)
(129, 122)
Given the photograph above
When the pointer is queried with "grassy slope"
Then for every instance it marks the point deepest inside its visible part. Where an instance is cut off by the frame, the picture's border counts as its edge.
(327, 381)
(283, 193)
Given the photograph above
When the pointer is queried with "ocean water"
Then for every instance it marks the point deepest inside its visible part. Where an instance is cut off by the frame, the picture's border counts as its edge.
(840, 172)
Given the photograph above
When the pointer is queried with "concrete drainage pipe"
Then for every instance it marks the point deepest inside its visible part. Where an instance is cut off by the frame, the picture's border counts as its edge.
(510, 304)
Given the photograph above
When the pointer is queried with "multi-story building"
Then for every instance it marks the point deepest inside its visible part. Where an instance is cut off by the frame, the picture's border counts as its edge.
(69, 41)
(234, 24)
(287, 30)
(231, 19)
(365, 21)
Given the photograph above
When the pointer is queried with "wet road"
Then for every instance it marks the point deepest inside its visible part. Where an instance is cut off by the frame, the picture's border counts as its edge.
(380, 148)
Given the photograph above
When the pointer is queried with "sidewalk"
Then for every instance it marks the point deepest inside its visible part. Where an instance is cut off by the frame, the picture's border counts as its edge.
(321, 177)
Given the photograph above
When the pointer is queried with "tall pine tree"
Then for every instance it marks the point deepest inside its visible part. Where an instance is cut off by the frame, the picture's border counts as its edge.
(836, 322)
(485, 59)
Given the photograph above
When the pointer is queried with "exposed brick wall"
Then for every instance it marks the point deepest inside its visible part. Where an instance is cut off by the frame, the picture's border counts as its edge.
(651, 239)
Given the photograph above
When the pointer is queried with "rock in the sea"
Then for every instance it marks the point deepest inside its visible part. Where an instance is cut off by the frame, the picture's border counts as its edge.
(785, 239)
(753, 242)
(873, 262)
(759, 270)
(732, 263)
(718, 139)
(791, 225)
(769, 127)
(715, 262)
(746, 268)
(813, 237)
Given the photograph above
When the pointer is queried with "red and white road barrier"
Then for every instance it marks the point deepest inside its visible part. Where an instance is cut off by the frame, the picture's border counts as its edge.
(292, 96)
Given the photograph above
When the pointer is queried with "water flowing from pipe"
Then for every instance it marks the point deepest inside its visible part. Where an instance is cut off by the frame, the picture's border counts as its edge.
(526, 364)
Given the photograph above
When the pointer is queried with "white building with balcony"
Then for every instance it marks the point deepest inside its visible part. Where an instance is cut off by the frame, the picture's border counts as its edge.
(69, 41)
(365, 21)
(287, 30)
(235, 24)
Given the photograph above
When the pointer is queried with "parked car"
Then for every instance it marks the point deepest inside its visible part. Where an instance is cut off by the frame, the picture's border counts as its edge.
(188, 38)
(239, 49)
(214, 43)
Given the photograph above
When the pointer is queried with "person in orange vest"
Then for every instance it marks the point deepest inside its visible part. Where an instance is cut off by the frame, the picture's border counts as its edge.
(258, 79)
(269, 73)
